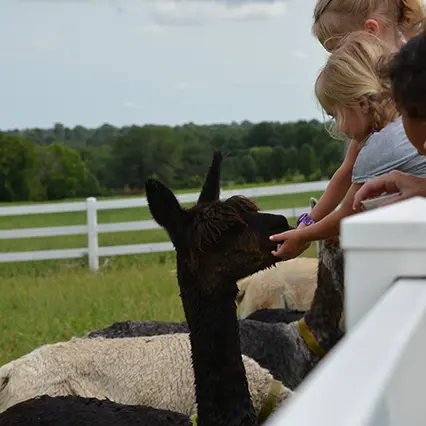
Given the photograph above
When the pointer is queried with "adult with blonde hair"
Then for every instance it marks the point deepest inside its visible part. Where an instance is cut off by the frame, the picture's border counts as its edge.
(350, 90)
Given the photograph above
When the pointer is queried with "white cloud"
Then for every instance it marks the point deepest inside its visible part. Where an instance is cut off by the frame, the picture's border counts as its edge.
(129, 105)
(188, 102)
(299, 54)
(258, 10)
(190, 12)
(184, 86)
(149, 28)
(44, 44)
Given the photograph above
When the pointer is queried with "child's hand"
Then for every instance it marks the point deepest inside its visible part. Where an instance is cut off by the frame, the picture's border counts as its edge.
(292, 247)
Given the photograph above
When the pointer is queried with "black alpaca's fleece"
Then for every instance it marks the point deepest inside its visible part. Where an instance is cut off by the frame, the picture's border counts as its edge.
(87, 412)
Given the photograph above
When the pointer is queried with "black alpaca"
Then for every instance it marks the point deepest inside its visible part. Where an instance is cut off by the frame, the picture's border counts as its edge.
(280, 347)
(275, 338)
(217, 243)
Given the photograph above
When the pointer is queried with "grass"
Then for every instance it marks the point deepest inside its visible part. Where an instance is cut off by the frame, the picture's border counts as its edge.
(48, 301)
(56, 304)
(65, 303)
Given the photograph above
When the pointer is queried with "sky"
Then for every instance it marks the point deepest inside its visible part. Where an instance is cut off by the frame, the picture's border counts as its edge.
(123, 62)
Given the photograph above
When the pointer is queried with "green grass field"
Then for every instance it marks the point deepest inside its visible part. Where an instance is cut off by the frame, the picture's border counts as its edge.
(47, 301)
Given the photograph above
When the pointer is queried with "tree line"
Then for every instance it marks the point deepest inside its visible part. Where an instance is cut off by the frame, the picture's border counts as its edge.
(61, 162)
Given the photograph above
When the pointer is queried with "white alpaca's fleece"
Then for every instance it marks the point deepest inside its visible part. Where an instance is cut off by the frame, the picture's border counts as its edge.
(290, 284)
(155, 371)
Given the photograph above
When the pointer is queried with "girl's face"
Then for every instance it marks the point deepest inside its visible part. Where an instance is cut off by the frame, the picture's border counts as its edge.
(415, 128)
(354, 122)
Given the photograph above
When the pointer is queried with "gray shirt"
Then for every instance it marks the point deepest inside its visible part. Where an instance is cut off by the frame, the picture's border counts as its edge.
(385, 151)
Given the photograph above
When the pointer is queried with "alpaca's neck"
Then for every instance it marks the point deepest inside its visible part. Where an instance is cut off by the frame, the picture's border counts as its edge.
(327, 306)
(221, 386)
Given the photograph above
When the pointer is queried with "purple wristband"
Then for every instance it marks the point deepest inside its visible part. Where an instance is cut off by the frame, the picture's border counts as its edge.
(306, 219)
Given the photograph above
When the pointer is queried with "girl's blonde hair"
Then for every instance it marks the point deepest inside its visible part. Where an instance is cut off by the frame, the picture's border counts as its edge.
(353, 71)
(333, 19)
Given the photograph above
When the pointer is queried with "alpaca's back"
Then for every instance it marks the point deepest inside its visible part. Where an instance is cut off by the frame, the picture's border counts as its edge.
(77, 411)
(132, 329)
(273, 316)
(291, 284)
(155, 371)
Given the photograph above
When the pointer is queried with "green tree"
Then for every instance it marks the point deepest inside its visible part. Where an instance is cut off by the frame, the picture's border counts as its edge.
(261, 134)
(63, 174)
(306, 160)
(179, 155)
(19, 169)
(279, 162)
(332, 157)
(59, 132)
(262, 156)
(248, 168)
(144, 152)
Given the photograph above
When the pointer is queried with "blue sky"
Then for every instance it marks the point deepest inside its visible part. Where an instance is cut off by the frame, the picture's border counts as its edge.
(126, 62)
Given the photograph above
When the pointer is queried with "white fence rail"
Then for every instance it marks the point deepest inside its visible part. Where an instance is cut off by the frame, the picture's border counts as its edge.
(92, 229)
(125, 203)
(375, 376)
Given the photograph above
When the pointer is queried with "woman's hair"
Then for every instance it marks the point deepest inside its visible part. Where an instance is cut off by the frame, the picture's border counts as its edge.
(334, 19)
(407, 72)
(351, 72)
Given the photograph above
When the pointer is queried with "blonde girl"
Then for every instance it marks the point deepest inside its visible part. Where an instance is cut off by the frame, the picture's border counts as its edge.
(394, 22)
(350, 90)
(407, 71)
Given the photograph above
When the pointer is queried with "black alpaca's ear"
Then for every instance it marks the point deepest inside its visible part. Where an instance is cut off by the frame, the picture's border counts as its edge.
(163, 205)
(211, 187)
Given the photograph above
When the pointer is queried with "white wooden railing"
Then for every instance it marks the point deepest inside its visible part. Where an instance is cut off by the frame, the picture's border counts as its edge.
(92, 228)
(376, 375)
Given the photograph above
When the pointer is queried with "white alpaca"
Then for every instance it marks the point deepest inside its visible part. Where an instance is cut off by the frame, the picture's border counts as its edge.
(290, 284)
(155, 371)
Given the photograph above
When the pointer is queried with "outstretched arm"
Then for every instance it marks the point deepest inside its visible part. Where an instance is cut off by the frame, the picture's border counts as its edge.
(295, 240)
(338, 186)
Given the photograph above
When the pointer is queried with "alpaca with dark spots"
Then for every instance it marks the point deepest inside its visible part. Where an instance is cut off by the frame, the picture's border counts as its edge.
(279, 315)
(208, 269)
(152, 328)
(280, 347)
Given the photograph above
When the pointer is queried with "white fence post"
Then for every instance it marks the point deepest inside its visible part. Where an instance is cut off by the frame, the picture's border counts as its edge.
(380, 246)
(92, 234)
